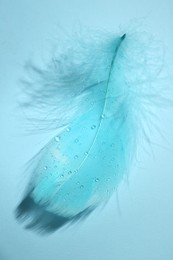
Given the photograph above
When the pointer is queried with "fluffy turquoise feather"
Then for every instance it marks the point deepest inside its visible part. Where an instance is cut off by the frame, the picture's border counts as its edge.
(103, 95)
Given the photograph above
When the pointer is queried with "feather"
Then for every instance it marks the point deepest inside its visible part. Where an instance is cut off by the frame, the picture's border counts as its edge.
(103, 92)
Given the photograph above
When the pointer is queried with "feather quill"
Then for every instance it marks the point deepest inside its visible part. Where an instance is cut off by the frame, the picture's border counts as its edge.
(103, 91)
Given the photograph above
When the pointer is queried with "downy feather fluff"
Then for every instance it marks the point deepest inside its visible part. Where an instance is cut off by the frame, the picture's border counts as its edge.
(102, 91)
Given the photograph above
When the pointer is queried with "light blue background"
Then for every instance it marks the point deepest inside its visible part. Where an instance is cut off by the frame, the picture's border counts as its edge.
(144, 228)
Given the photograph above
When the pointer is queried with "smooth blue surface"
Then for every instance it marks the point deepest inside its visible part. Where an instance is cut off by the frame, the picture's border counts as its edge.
(144, 230)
